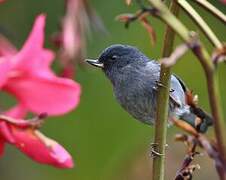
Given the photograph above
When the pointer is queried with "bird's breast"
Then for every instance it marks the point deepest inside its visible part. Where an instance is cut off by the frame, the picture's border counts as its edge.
(137, 98)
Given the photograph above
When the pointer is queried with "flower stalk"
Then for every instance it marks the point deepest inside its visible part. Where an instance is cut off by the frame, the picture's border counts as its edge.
(163, 101)
(210, 72)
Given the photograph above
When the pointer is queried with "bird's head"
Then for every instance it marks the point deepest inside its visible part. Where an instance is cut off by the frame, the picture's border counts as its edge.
(118, 56)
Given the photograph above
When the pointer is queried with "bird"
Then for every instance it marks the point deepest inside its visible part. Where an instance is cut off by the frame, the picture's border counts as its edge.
(135, 81)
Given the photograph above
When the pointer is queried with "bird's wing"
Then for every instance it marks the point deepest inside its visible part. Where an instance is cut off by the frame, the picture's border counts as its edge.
(178, 87)
(182, 83)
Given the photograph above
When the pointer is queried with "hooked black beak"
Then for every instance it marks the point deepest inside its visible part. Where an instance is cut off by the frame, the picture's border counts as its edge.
(95, 62)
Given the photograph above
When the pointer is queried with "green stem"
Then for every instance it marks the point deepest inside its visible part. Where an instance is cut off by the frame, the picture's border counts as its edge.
(200, 23)
(212, 81)
(209, 7)
(163, 101)
(214, 97)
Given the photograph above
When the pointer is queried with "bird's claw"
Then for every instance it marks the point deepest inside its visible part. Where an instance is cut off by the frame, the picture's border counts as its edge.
(159, 84)
(154, 153)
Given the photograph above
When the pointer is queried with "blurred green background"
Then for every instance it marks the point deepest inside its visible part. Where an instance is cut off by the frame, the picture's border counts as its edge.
(104, 140)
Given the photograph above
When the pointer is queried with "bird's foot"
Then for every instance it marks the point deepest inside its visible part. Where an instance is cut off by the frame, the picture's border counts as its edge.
(159, 84)
(153, 152)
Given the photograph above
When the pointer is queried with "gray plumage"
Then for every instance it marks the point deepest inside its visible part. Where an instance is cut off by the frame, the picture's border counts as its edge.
(135, 83)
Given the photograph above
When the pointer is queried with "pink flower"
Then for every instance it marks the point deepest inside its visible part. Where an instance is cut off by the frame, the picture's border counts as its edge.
(24, 135)
(28, 77)
(71, 40)
(72, 31)
(6, 48)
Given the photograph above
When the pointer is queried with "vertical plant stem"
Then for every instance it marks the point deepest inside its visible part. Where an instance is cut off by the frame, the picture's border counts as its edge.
(214, 97)
(163, 101)
(210, 72)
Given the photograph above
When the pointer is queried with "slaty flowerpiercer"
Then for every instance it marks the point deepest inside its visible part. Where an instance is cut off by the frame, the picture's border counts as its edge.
(135, 84)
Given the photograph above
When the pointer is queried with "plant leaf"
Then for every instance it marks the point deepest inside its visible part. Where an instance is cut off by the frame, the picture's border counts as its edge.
(149, 29)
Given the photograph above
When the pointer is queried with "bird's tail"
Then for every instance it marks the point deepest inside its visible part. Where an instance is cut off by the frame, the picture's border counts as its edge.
(198, 119)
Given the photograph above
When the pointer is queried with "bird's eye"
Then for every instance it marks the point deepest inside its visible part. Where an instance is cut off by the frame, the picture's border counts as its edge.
(114, 57)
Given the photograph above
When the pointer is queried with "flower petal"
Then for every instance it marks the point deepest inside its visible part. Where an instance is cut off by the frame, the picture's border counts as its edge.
(5, 132)
(33, 58)
(5, 67)
(6, 48)
(41, 149)
(2, 145)
(2, 1)
(53, 96)
(18, 111)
